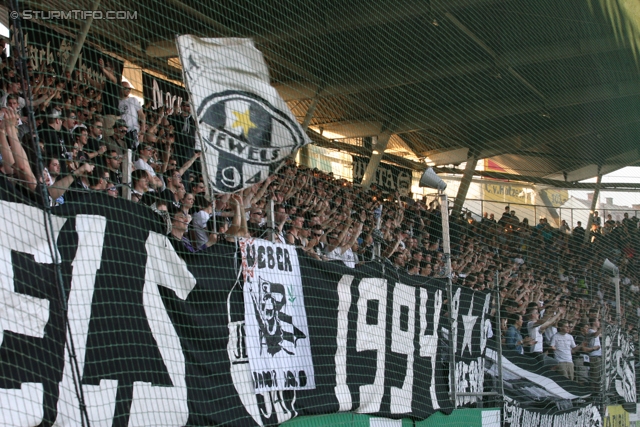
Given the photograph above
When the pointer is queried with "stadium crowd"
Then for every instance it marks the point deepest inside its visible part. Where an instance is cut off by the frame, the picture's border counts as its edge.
(548, 281)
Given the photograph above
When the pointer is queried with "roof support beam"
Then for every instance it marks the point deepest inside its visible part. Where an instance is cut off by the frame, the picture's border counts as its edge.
(353, 18)
(573, 185)
(355, 150)
(553, 212)
(391, 78)
(514, 106)
(86, 25)
(379, 146)
(493, 54)
(594, 204)
(544, 181)
(464, 185)
(510, 144)
(610, 164)
(407, 76)
(304, 151)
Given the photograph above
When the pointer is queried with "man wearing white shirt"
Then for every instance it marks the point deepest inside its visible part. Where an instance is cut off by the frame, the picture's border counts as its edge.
(595, 357)
(564, 346)
(200, 220)
(144, 154)
(132, 114)
(536, 327)
(339, 245)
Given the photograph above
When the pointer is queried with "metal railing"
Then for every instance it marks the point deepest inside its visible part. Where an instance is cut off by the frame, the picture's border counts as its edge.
(554, 215)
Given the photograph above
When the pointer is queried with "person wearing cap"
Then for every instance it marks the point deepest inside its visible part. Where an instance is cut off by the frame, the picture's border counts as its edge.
(132, 113)
(113, 163)
(505, 219)
(54, 142)
(256, 225)
(117, 140)
(99, 179)
(294, 234)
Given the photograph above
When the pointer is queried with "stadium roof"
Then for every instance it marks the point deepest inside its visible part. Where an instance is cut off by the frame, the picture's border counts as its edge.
(544, 88)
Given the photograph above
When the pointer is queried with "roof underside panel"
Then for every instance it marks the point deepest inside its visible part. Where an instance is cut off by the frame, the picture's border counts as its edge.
(544, 86)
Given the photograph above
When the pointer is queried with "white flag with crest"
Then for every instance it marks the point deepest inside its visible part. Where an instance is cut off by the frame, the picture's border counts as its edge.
(245, 129)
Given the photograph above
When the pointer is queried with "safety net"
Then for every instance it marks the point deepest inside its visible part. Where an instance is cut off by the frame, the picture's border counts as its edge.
(319, 213)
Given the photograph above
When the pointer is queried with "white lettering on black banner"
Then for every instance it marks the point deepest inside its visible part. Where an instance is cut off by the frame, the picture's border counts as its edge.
(516, 416)
(343, 394)
(429, 343)
(161, 405)
(372, 337)
(19, 313)
(101, 399)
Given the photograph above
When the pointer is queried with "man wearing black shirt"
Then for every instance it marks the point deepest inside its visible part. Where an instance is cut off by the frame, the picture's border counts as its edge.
(610, 222)
(578, 232)
(113, 163)
(185, 130)
(505, 219)
(69, 122)
(54, 142)
(95, 145)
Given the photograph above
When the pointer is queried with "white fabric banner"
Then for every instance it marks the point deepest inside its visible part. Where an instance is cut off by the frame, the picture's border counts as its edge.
(277, 335)
(245, 129)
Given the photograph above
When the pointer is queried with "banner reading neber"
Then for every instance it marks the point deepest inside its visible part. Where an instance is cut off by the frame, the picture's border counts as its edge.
(245, 129)
(277, 335)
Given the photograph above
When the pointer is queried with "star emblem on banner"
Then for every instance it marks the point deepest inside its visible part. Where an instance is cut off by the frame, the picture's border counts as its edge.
(469, 323)
(243, 120)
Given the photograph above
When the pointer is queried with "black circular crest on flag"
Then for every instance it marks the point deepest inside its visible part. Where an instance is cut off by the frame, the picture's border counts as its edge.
(245, 139)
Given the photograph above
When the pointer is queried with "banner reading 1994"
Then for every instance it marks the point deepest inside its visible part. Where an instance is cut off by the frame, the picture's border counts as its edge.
(166, 337)
(254, 334)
